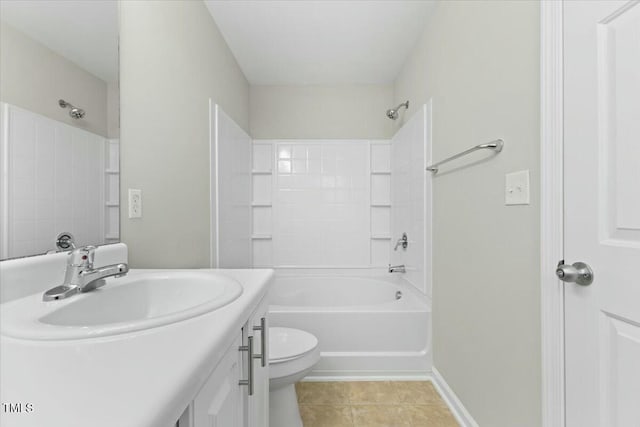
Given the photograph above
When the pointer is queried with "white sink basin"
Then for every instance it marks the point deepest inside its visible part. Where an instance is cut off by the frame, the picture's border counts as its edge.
(136, 302)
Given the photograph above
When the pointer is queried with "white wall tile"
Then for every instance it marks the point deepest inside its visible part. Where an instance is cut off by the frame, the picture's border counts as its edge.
(380, 189)
(284, 151)
(284, 166)
(112, 225)
(299, 152)
(410, 195)
(234, 180)
(380, 221)
(321, 204)
(55, 178)
(262, 253)
(111, 149)
(379, 253)
(22, 130)
(113, 155)
(298, 166)
(380, 157)
(262, 221)
(113, 188)
(262, 157)
(262, 189)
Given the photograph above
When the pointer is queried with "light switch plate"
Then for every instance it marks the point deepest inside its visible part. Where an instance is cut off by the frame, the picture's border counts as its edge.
(135, 203)
(516, 191)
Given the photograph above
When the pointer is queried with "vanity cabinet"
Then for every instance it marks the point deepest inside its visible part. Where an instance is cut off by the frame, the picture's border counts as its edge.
(236, 394)
(220, 401)
(258, 403)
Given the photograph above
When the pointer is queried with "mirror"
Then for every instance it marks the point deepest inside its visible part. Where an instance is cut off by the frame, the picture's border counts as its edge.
(59, 124)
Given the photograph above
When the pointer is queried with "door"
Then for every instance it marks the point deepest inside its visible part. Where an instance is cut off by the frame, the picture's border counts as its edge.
(602, 211)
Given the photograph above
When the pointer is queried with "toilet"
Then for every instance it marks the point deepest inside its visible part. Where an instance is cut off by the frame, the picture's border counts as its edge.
(292, 355)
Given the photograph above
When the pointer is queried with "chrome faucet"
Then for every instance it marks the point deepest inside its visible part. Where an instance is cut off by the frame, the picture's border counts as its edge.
(397, 268)
(80, 275)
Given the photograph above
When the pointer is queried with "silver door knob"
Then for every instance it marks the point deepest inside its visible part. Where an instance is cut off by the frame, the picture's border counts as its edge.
(579, 273)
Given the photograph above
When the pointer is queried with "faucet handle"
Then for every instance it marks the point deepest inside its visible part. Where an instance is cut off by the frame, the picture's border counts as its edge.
(82, 257)
(403, 241)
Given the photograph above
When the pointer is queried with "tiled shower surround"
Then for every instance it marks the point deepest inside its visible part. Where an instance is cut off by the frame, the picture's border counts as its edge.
(321, 203)
(56, 178)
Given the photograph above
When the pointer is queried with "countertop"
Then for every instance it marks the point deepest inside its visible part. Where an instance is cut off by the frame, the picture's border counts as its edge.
(140, 379)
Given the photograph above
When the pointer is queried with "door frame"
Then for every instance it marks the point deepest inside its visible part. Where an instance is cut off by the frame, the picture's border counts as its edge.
(551, 212)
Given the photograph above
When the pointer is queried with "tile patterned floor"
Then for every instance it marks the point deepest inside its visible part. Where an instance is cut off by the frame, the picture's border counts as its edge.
(372, 404)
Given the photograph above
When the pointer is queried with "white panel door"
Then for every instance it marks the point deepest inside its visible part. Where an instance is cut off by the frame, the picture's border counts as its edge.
(602, 211)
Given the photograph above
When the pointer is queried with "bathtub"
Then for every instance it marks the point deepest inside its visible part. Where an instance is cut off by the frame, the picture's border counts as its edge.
(366, 326)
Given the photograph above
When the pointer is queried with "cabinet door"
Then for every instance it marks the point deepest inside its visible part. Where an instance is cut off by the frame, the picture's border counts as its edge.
(219, 403)
(258, 404)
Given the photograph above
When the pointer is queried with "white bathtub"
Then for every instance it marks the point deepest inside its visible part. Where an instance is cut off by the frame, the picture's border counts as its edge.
(367, 327)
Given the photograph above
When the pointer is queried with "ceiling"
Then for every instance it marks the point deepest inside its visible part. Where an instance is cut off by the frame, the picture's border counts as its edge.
(301, 42)
(84, 32)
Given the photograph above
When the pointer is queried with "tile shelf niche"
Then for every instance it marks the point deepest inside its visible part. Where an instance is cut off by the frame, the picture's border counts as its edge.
(261, 205)
(112, 191)
(380, 202)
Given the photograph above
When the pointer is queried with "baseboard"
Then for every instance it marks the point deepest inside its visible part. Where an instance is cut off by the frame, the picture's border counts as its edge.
(368, 376)
(457, 408)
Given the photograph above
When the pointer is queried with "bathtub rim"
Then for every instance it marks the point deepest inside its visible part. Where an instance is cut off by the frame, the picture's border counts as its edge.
(412, 299)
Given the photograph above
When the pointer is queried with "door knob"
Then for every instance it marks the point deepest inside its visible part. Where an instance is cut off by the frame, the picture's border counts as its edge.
(579, 273)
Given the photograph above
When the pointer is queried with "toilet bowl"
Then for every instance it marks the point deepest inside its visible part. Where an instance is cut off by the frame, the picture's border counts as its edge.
(292, 355)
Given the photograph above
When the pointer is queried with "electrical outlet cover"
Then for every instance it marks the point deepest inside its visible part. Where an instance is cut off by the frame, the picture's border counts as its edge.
(135, 203)
(516, 191)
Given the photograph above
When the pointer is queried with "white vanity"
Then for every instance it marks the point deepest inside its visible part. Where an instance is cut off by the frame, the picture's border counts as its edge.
(149, 353)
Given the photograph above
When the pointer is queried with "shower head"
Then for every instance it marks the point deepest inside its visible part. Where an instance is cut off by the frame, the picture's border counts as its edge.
(392, 113)
(75, 112)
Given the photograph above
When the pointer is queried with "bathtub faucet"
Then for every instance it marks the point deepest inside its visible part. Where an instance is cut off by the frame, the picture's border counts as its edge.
(397, 268)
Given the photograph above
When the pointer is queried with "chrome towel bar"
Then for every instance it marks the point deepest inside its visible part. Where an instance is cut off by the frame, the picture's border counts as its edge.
(493, 145)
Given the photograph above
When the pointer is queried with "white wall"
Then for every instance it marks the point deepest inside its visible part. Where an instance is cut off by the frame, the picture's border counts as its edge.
(317, 205)
(230, 193)
(321, 112)
(34, 77)
(173, 60)
(411, 200)
(53, 181)
(479, 62)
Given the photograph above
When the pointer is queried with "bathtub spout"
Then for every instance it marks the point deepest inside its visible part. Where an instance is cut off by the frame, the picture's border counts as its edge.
(397, 268)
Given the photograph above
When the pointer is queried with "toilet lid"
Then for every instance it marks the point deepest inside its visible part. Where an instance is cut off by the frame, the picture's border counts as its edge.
(288, 343)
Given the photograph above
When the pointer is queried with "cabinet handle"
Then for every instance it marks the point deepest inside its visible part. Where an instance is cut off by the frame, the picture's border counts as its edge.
(249, 349)
(263, 342)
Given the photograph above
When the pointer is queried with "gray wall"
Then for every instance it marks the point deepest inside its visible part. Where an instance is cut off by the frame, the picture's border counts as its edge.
(479, 61)
(34, 77)
(172, 60)
(321, 112)
(113, 110)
